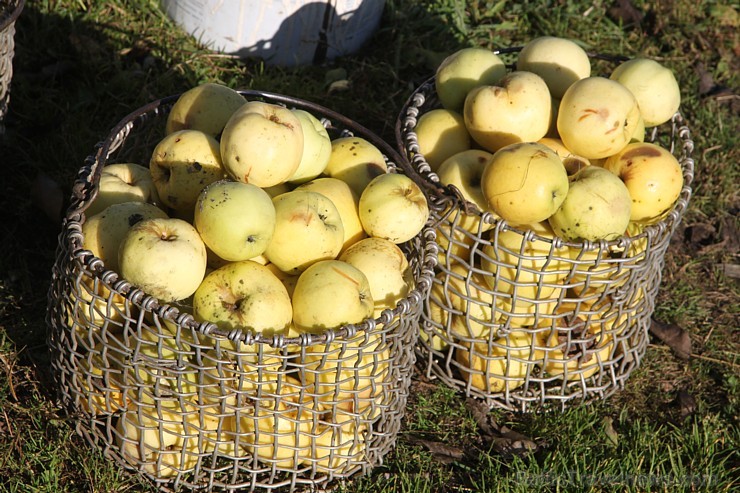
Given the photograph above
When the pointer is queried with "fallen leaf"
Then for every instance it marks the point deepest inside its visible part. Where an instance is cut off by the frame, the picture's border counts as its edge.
(674, 337)
(686, 403)
(47, 195)
(502, 439)
(626, 12)
(731, 271)
(338, 86)
(441, 451)
(609, 431)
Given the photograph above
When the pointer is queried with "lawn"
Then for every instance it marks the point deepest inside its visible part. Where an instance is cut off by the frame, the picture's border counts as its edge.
(81, 65)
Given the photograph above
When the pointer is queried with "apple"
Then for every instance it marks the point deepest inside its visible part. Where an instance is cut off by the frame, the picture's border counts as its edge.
(386, 268)
(288, 280)
(572, 162)
(559, 61)
(653, 85)
(462, 71)
(235, 220)
(308, 228)
(316, 148)
(347, 203)
(653, 177)
(441, 133)
(165, 257)
(262, 144)
(123, 182)
(206, 107)
(329, 294)
(524, 183)
(518, 311)
(355, 161)
(464, 171)
(516, 110)
(454, 242)
(278, 189)
(393, 207)
(597, 206)
(597, 117)
(338, 447)
(104, 232)
(100, 382)
(244, 295)
(466, 295)
(182, 164)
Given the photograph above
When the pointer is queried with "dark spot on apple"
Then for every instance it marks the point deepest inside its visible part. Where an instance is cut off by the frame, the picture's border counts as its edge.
(237, 159)
(590, 208)
(641, 151)
(134, 218)
(197, 166)
(178, 139)
(578, 225)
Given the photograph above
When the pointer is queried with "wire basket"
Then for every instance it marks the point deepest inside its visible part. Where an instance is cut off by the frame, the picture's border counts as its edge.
(9, 12)
(191, 406)
(525, 320)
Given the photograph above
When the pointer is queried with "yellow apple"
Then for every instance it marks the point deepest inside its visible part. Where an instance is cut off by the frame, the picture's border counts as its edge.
(466, 295)
(523, 312)
(440, 134)
(464, 171)
(316, 148)
(516, 110)
(308, 228)
(347, 203)
(235, 220)
(597, 117)
(572, 162)
(338, 447)
(123, 182)
(100, 382)
(329, 294)
(524, 183)
(596, 207)
(462, 71)
(206, 107)
(166, 258)
(653, 177)
(262, 144)
(653, 85)
(559, 61)
(355, 161)
(393, 207)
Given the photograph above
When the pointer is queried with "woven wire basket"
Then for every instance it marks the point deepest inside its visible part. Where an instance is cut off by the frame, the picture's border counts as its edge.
(9, 12)
(526, 321)
(194, 407)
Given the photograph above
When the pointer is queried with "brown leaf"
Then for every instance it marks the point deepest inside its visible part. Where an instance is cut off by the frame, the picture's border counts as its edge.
(674, 337)
(47, 195)
(502, 439)
(686, 403)
(442, 452)
(626, 12)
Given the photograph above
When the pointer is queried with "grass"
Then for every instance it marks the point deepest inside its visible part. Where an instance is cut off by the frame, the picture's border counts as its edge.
(82, 65)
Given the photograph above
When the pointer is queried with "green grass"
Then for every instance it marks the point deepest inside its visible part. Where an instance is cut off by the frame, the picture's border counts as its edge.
(82, 65)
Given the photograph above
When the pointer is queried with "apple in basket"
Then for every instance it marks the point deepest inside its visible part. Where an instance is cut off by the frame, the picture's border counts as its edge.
(308, 228)
(393, 207)
(165, 257)
(262, 144)
(182, 164)
(559, 61)
(206, 107)
(356, 161)
(235, 220)
(316, 148)
(123, 182)
(653, 85)
(464, 171)
(440, 134)
(462, 71)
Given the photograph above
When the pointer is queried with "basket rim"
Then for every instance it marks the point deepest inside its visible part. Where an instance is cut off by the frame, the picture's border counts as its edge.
(7, 21)
(452, 197)
(74, 218)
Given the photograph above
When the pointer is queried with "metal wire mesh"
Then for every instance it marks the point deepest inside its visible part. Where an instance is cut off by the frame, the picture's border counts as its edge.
(193, 407)
(522, 319)
(9, 12)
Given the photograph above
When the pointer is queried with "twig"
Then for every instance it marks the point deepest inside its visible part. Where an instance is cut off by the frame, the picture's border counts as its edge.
(699, 356)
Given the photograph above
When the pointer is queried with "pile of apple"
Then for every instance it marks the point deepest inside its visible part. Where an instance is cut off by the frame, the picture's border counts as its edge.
(553, 151)
(250, 216)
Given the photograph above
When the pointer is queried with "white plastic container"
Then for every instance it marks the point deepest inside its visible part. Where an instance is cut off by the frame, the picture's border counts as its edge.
(285, 33)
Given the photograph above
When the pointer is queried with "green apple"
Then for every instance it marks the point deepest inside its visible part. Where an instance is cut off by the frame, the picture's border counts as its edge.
(166, 258)
(597, 117)
(386, 268)
(182, 164)
(597, 206)
(347, 203)
(355, 161)
(462, 71)
(393, 207)
(244, 295)
(653, 85)
(559, 61)
(653, 177)
(316, 148)
(329, 294)
(262, 144)
(235, 220)
(572, 162)
(524, 183)
(123, 182)
(441, 133)
(104, 232)
(206, 107)
(308, 228)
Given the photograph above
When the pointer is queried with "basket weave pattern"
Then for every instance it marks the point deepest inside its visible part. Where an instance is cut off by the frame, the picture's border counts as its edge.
(191, 406)
(527, 321)
(9, 12)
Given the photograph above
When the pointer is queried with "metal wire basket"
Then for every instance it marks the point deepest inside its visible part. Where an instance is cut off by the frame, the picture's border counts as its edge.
(526, 321)
(194, 407)
(9, 12)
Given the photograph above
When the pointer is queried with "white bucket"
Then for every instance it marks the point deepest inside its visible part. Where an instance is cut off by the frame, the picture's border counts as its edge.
(285, 33)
